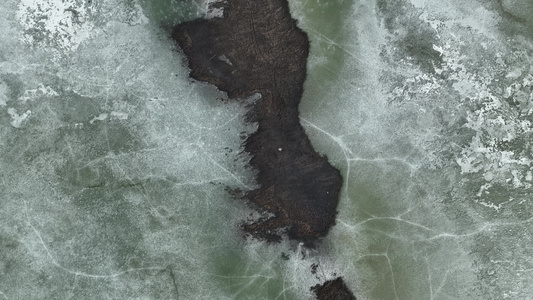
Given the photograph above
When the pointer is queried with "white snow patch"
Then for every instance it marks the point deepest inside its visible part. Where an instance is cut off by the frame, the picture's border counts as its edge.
(489, 205)
(100, 117)
(225, 59)
(213, 12)
(60, 23)
(40, 91)
(18, 119)
(438, 49)
(494, 127)
(529, 176)
(514, 74)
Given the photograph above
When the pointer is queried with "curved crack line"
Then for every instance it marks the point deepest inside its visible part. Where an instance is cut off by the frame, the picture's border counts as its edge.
(336, 139)
(343, 48)
(73, 272)
(393, 219)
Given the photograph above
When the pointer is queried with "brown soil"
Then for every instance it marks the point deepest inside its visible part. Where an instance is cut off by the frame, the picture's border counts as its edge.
(257, 48)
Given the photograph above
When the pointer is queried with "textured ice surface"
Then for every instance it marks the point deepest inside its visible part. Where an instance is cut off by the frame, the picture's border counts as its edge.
(429, 119)
(114, 165)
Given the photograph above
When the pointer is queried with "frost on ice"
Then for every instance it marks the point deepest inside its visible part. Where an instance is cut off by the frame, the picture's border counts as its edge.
(64, 24)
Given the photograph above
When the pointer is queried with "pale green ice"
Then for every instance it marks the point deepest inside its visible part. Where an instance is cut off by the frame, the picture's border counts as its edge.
(115, 166)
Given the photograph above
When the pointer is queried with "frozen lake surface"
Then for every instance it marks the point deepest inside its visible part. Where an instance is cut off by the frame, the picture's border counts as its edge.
(115, 166)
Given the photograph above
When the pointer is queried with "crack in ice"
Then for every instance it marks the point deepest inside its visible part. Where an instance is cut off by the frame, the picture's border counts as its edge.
(77, 273)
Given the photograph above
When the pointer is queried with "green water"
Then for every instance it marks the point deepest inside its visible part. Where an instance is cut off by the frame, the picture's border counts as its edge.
(324, 22)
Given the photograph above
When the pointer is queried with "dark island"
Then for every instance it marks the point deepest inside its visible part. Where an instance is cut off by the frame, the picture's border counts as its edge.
(256, 48)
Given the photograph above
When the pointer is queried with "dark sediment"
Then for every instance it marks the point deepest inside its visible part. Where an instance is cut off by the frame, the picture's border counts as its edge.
(257, 48)
(333, 290)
